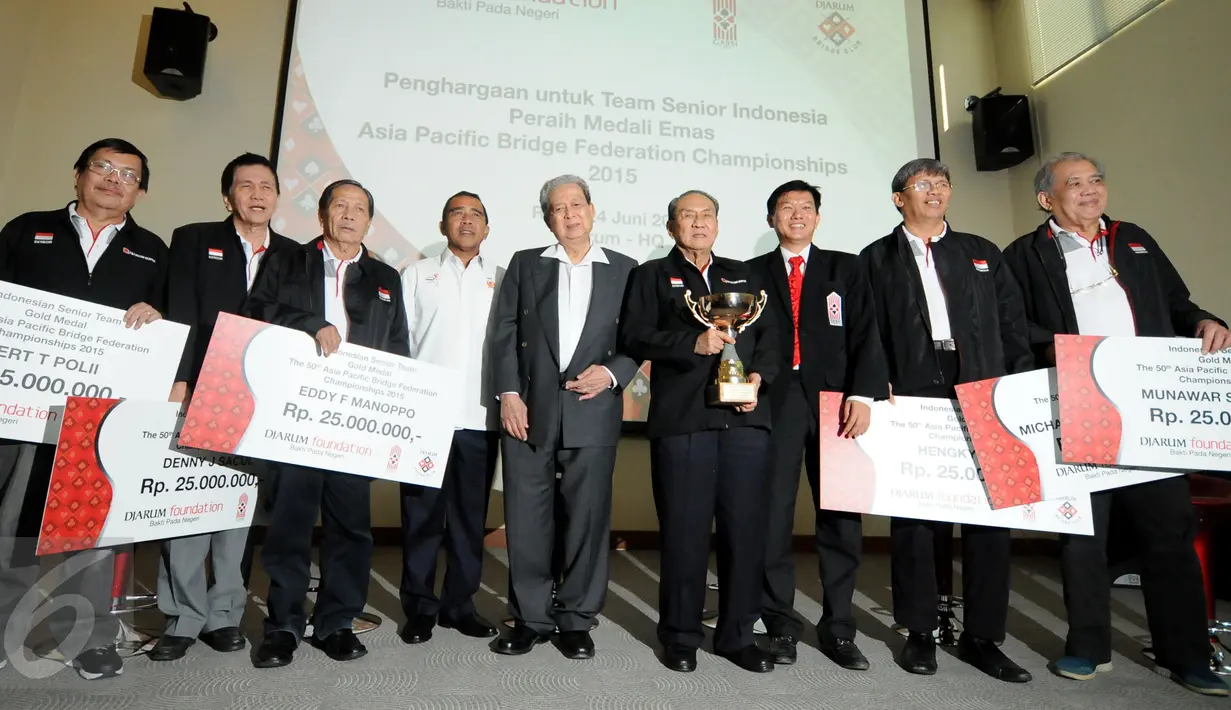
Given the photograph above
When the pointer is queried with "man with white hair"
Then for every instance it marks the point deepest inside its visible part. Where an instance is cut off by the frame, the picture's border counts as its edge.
(560, 375)
(1085, 273)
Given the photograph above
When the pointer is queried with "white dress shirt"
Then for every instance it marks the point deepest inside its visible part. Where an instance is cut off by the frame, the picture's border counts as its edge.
(448, 311)
(704, 270)
(787, 255)
(933, 292)
(252, 257)
(93, 245)
(335, 288)
(576, 283)
(1099, 301)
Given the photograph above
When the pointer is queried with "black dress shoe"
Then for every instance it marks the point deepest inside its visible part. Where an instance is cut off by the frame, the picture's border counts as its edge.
(473, 626)
(418, 628)
(751, 658)
(341, 645)
(171, 648)
(521, 639)
(846, 654)
(277, 650)
(919, 654)
(679, 658)
(225, 640)
(782, 650)
(576, 645)
(987, 657)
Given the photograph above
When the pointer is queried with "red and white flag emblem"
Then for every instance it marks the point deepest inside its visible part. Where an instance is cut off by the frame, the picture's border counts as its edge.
(833, 305)
(676, 282)
(215, 254)
(43, 237)
(383, 293)
(980, 265)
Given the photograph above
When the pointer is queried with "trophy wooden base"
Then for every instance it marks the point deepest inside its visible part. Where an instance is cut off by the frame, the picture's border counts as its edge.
(732, 393)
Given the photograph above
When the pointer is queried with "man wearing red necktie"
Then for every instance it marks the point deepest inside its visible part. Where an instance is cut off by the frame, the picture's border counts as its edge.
(832, 346)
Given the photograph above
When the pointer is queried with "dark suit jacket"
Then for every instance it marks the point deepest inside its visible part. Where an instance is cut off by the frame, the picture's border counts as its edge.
(841, 354)
(983, 300)
(525, 345)
(657, 326)
(1161, 304)
(290, 292)
(200, 287)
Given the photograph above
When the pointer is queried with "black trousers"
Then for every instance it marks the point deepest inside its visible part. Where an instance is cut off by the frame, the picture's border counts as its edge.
(699, 477)
(530, 512)
(985, 556)
(454, 515)
(839, 535)
(1171, 581)
(344, 504)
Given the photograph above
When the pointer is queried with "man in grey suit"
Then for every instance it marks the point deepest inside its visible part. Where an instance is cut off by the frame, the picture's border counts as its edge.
(561, 376)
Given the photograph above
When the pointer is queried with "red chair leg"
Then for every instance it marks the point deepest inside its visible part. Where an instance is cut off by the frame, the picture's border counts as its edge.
(1205, 553)
(120, 579)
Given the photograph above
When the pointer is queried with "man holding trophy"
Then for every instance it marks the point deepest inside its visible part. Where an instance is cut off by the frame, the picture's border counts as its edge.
(709, 441)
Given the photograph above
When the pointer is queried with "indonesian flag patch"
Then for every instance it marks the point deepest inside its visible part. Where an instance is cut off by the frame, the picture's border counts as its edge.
(215, 254)
(1137, 248)
(677, 283)
(43, 237)
(383, 293)
(980, 265)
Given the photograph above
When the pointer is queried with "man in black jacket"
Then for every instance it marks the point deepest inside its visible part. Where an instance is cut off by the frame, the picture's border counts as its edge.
(213, 265)
(92, 250)
(1084, 273)
(827, 341)
(334, 290)
(707, 460)
(949, 312)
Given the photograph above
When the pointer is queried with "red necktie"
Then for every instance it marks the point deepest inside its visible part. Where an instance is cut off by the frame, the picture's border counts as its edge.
(796, 282)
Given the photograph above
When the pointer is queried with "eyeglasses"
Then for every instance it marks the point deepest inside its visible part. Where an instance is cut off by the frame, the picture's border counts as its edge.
(128, 176)
(928, 185)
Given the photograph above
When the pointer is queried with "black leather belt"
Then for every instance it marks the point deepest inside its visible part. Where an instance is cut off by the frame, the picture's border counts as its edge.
(944, 345)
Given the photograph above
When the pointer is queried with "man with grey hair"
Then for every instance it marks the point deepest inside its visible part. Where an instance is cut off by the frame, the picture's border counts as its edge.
(708, 458)
(1083, 272)
(949, 313)
(561, 376)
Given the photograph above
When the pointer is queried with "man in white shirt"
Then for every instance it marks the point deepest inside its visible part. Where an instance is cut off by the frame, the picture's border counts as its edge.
(949, 313)
(448, 308)
(1085, 273)
(560, 375)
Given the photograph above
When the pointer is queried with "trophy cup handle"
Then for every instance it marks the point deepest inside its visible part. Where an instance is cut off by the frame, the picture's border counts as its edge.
(694, 308)
(757, 310)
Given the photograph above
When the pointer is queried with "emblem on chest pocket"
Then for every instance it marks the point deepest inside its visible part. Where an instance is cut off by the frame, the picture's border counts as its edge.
(833, 307)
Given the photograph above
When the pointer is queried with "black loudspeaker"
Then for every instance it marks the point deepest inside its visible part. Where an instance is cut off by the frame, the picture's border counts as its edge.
(1003, 137)
(175, 55)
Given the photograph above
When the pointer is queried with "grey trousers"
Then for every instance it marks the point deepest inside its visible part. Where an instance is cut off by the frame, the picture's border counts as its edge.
(83, 577)
(530, 487)
(185, 596)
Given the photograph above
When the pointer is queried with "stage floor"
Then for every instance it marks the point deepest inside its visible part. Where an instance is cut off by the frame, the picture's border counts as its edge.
(452, 672)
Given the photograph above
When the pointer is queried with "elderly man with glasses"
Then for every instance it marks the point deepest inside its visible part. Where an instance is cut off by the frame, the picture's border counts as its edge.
(948, 313)
(1085, 273)
(91, 250)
